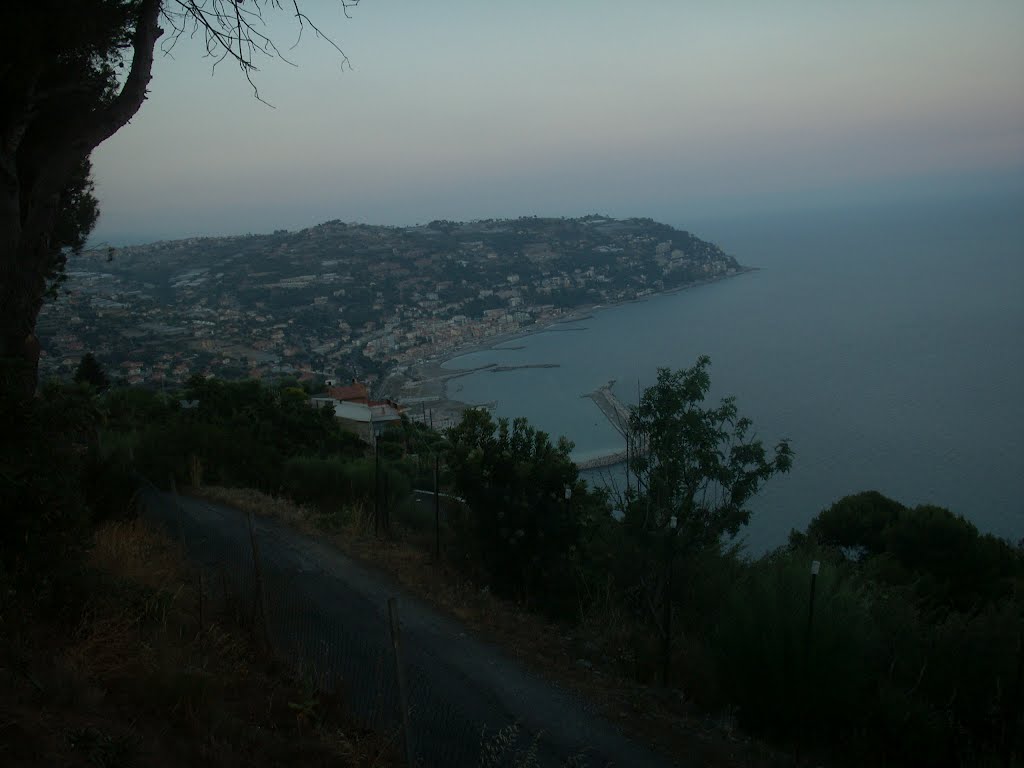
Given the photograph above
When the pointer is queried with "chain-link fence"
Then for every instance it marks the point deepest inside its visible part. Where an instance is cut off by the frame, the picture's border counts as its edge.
(333, 640)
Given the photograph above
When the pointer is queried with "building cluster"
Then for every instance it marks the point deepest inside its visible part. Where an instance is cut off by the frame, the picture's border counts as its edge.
(351, 300)
(356, 411)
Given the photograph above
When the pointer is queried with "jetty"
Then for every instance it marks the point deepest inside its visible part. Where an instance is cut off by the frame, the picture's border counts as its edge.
(493, 368)
(613, 409)
(604, 460)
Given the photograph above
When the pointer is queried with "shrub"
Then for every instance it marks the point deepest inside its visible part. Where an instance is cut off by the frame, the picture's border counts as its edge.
(228, 456)
(337, 482)
(43, 515)
(784, 679)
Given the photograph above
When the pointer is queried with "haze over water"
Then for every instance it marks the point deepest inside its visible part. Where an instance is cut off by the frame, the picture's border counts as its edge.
(885, 343)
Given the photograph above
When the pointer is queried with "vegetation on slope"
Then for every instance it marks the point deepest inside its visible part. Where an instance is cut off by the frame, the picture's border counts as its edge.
(910, 652)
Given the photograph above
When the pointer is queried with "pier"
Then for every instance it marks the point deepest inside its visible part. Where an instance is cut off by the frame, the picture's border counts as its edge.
(604, 460)
(504, 368)
(618, 414)
(613, 409)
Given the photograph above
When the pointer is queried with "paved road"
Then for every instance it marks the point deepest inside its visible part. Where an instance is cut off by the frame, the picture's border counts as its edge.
(329, 613)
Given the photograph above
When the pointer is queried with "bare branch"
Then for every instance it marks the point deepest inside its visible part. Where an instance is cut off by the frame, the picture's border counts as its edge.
(236, 30)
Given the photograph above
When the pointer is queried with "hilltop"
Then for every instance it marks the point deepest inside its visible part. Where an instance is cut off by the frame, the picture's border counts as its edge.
(352, 299)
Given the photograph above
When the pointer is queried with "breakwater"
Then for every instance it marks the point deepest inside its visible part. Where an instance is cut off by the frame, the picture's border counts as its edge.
(613, 409)
(604, 460)
(494, 368)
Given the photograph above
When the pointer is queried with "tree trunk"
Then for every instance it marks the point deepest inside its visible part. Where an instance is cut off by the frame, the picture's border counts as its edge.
(20, 294)
(36, 163)
(19, 347)
(29, 218)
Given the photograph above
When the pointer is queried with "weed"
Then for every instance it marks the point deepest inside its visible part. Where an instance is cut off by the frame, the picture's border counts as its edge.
(102, 749)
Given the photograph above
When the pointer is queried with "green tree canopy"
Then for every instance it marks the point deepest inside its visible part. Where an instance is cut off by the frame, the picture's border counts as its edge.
(526, 506)
(697, 466)
(940, 556)
(696, 469)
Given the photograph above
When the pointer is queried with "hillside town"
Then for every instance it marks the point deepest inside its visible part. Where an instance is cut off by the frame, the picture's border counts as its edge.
(347, 301)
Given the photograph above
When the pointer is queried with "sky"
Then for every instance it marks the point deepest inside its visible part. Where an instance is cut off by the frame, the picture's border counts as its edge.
(679, 110)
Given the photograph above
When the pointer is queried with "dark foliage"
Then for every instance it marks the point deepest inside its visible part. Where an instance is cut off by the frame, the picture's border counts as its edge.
(43, 513)
(914, 651)
(938, 555)
(233, 433)
(91, 373)
(526, 510)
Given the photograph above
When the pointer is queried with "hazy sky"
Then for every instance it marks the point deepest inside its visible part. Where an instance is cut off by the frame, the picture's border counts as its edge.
(677, 110)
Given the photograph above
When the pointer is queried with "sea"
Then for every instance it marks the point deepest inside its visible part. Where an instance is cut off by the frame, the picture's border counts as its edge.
(886, 343)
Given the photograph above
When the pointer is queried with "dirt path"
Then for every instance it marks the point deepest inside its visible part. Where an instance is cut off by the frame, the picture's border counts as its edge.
(327, 614)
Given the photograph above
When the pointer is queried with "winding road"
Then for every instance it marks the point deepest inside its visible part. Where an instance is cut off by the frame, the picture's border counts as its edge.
(327, 614)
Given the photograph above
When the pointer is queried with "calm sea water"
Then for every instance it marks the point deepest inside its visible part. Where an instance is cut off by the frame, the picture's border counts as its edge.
(886, 344)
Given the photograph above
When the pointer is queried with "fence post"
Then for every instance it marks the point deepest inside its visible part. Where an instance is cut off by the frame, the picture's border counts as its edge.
(181, 515)
(376, 488)
(403, 701)
(385, 502)
(1013, 711)
(437, 511)
(259, 607)
(815, 567)
(200, 606)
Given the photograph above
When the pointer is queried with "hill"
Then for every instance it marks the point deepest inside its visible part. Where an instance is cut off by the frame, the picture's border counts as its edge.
(352, 299)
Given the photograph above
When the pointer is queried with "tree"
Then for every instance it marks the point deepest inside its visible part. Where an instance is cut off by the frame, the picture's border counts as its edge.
(855, 523)
(696, 469)
(940, 556)
(525, 505)
(77, 212)
(90, 372)
(70, 81)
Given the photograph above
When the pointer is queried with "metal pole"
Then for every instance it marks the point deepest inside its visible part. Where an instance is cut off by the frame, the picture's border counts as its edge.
(1013, 711)
(385, 502)
(376, 489)
(815, 567)
(437, 510)
(181, 516)
(627, 464)
(666, 661)
(403, 701)
(259, 598)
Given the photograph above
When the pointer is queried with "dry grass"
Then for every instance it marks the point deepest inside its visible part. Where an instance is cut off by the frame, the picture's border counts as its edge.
(145, 678)
(259, 503)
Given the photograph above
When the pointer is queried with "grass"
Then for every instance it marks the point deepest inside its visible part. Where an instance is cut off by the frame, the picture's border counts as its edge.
(664, 719)
(145, 672)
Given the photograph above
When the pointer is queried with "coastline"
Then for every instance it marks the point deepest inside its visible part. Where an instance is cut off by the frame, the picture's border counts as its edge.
(429, 383)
